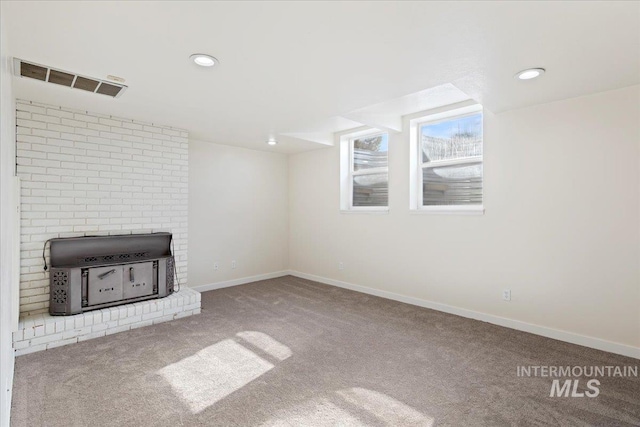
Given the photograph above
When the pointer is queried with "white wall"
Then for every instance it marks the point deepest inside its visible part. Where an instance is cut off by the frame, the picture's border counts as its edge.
(8, 287)
(560, 230)
(237, 211)
(90, 174)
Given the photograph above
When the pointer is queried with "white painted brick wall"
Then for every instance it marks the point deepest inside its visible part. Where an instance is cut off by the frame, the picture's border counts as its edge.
(91, 174)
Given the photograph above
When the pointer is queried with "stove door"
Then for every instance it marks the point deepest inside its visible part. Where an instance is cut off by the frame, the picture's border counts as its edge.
(105, 284)
(138, 279)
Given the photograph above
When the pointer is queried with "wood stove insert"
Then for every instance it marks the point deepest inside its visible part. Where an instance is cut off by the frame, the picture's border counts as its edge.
(89, 273)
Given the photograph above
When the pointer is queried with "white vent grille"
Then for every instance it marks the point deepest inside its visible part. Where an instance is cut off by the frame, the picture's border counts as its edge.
(47, 74)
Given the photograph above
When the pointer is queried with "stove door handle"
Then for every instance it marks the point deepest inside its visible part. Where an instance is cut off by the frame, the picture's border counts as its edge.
(108, 273)
(131, 274)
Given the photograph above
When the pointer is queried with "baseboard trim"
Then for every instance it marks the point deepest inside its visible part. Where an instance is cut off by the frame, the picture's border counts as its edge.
(570, 337)
(240, 281)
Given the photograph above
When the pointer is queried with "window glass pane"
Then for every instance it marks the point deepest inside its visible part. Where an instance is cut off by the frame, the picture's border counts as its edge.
(452, 185)
(371, 190)
(452, 139)
(370, 152)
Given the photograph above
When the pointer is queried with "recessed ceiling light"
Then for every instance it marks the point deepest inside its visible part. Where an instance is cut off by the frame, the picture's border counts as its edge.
(272, 141)
(203, 60)
(530, 73)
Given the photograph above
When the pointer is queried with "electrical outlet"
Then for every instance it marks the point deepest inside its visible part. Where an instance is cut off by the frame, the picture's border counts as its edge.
(233, 264)
(341, 265)
(506, 294)
(216, 266)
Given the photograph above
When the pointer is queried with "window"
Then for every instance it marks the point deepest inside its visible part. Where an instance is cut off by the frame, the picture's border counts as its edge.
(447, 161)
(365, 171)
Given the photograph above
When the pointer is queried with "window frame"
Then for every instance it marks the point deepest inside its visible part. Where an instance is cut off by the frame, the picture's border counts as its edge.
(348, 171)
(418, 165)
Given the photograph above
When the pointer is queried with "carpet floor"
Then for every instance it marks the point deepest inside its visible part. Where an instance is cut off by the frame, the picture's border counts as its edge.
(292, 352)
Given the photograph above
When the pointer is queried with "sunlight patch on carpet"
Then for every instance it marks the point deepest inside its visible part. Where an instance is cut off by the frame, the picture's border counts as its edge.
(267, 344)
(318, 412)
(213, 373)
(387, 409)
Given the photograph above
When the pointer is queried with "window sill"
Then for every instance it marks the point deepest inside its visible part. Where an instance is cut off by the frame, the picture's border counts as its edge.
(449, 210)
(374, 211)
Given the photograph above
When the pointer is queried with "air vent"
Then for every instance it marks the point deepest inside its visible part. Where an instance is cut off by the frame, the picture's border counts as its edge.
(59, 284)
(60, 78)
(86, 84)
(65, 78)
(109, 89)
(33, 71)
(114, 257)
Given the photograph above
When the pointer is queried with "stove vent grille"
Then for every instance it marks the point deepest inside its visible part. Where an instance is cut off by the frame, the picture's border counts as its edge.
(113, 258)
(65, 78)
(60, 284)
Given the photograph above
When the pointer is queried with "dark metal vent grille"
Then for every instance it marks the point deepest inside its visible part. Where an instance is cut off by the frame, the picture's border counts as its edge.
(60, 278)
(170, 270)
(60, 282)
(115, 257)
(66, 78)
(59, 296)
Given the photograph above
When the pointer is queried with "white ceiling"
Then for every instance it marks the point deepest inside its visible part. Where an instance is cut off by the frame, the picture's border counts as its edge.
(303, 69)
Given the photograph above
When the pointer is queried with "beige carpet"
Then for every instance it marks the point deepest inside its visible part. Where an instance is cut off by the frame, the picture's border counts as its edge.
(290, 352)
